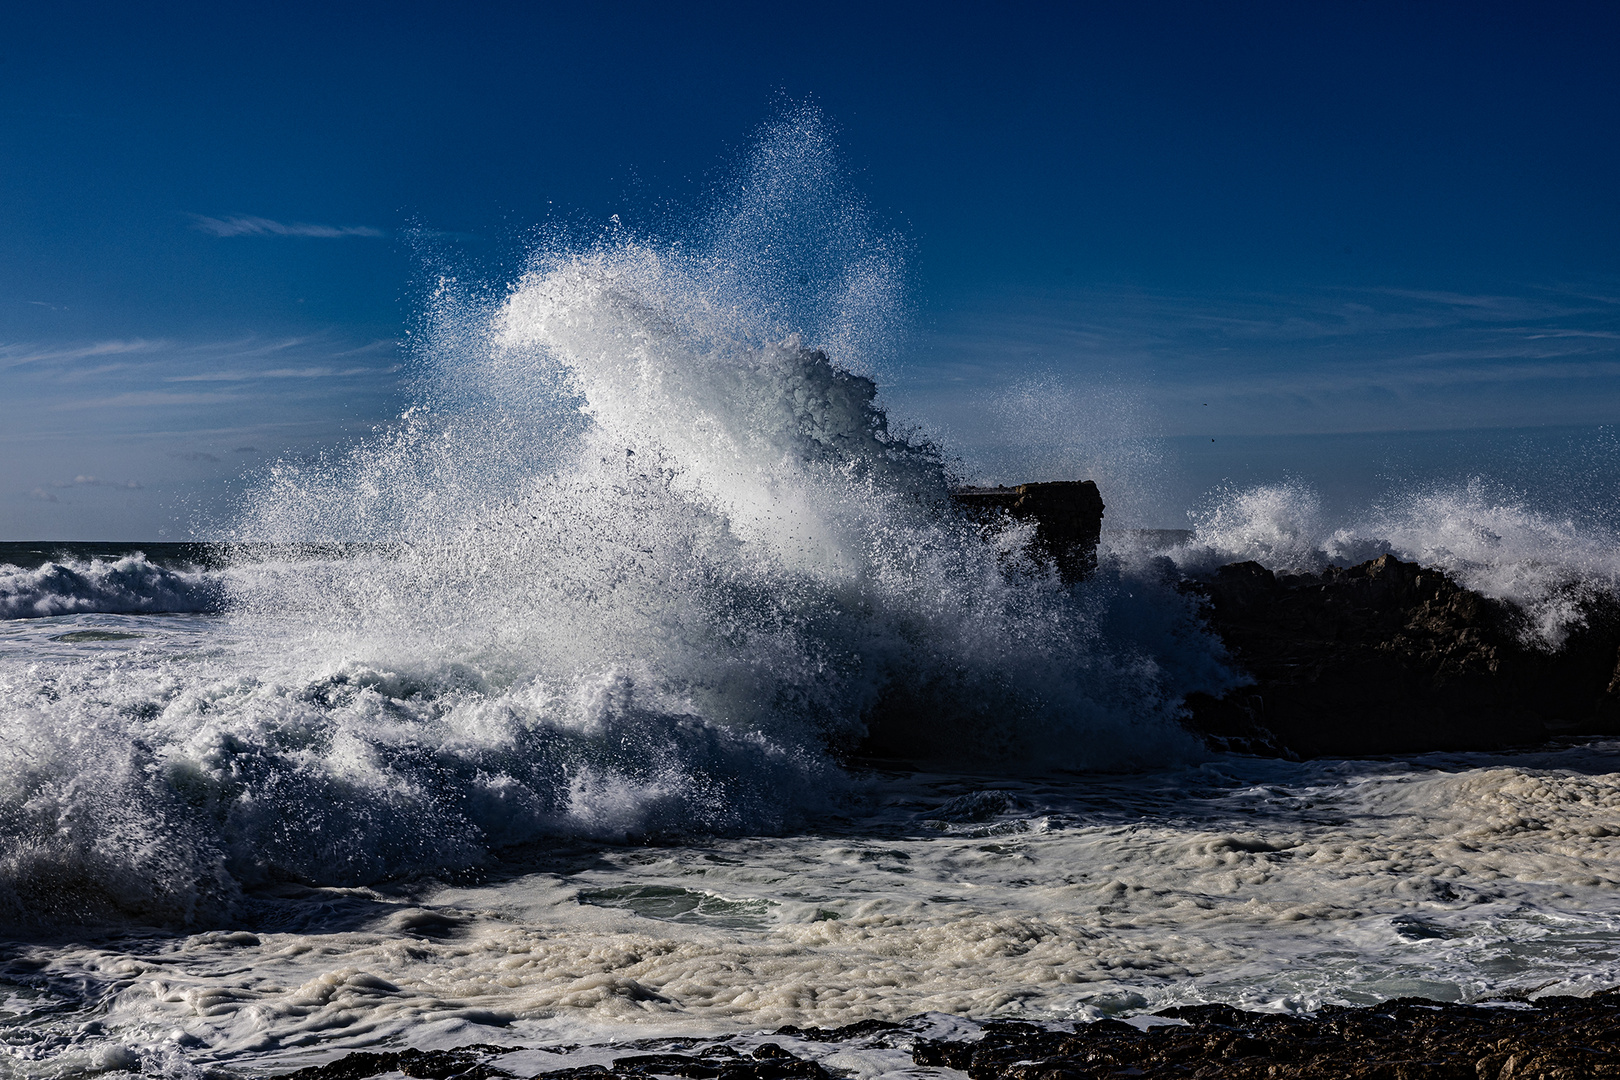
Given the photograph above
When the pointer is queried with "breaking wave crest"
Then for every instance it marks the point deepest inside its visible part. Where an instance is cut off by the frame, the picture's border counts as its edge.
(117, 586)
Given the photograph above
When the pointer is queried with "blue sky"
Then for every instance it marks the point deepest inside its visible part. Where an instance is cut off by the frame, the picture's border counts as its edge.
(1141, 221)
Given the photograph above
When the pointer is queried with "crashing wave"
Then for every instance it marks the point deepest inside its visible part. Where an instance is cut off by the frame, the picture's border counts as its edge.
(1488, 539)
(123, 586)
(646, 558)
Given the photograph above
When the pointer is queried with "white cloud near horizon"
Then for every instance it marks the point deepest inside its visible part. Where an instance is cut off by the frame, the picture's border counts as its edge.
(244, 225)
(1323, 361)
(95, 481)
(91, 392)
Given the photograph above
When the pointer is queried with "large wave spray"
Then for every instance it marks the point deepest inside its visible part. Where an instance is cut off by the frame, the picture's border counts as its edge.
(1486, 535)
(646, 557)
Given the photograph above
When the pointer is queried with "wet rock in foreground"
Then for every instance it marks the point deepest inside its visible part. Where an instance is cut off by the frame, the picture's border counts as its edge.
(1406, 1039)
(464, 1062)
(1556, 1038)
(707, 1061)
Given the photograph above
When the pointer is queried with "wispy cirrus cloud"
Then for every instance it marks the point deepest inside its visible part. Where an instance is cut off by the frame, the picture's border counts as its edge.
(1315, 360)
(244, 225)
(140, 399)
(18, 354)
(277, 373)
(200, 361)
(180, 386)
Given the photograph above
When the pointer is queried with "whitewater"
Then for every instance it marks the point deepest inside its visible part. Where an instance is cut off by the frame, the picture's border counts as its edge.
(642, 680)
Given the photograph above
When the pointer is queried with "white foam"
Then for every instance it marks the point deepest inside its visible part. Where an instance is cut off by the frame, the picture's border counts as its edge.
(1488, 538)
(125, 585)
(1266, 884)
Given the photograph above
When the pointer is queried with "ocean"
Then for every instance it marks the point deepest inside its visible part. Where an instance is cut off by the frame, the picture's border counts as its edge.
(641, 683)
(235, 840)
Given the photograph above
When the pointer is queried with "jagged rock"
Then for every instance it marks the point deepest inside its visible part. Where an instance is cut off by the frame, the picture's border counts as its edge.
(715, 1061)
(1068, 517)
(1390, 657)
(1405, 1039)
(1555, 1038)
(462, 1063)
(858, 1030)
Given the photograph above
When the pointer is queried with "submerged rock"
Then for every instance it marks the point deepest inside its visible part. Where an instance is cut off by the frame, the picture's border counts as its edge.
(1390, 657)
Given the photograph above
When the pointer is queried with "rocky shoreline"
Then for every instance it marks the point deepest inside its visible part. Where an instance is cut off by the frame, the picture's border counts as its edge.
(1384, 658)
(1390, 657)
(1404, 1039)
(1553, 1038)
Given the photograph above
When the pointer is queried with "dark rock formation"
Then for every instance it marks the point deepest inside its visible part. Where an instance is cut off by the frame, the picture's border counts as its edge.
(1406, 1039)
(1383, 658)
(768, 1062)
(1068, 518)
(924, 714)
(715, 1061)
(1555, 1038)
(464, 1063)
(1394, 658)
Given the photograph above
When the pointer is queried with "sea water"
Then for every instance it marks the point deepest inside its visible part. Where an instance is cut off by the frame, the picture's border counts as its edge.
(641, 680)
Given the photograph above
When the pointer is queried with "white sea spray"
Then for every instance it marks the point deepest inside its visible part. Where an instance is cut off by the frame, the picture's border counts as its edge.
(1489, 538)
(646, 560)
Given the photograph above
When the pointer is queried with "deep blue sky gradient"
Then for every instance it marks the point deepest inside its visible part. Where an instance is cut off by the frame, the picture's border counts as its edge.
(1315, 218)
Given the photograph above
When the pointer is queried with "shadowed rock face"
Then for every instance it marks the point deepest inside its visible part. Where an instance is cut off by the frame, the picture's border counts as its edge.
(712, 1060)
(1068, 517)
(1391, 657)
(1388, 657)
(1406, 1039)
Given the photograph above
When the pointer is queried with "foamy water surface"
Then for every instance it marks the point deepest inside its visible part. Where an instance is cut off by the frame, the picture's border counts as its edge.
(1050, 896)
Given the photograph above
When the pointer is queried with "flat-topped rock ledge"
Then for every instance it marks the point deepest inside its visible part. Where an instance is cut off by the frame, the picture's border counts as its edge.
(1390, 657)
(1068, 516)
